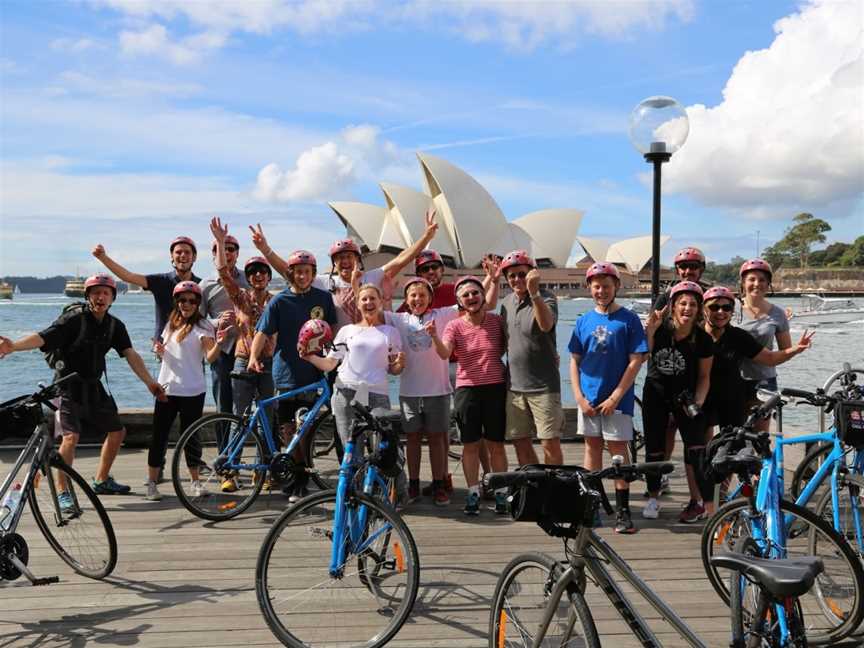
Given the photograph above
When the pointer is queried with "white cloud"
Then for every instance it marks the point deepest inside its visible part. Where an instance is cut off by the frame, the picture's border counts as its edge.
(154, 40)
(75, 45)
(789, 129)
(72, 82)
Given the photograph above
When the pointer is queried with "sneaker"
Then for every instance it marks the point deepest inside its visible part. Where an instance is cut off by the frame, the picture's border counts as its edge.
(693, 512)
(198, 490)
(441, 498)
(472, 504)
(229, 485)
(502, 507)
(153, 494)
(109, 487)
(64, 499)
(623, 523)
(413, 491)
(665, 488)
(299, 493)
(651, 510)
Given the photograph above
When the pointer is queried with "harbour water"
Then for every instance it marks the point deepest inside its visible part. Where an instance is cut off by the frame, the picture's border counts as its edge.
(20, 372)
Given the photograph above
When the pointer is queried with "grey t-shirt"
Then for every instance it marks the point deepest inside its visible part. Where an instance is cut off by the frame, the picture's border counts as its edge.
(215, 301)
(532, 355)
(764, 330)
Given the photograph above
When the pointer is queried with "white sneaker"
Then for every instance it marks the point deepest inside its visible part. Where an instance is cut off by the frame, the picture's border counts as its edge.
(651, 510)
(198, 490)
(665, 487)
(153, 494)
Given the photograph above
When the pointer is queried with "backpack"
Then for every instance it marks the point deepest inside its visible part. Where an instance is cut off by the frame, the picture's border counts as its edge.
(56, 358)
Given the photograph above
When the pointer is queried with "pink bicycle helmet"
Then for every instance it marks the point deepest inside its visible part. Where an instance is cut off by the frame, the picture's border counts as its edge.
(691, 255)
(187, 286)
(685, 287)
(257, 260)
(517, 258)
(466, 280)
(228, 239)
(756, 264)
(344, 245)
(427, 256)
(718, 292)
(314, 336)
(417, 280)
(183, 239)
(602, 268)
(298, 257)
(100, 280)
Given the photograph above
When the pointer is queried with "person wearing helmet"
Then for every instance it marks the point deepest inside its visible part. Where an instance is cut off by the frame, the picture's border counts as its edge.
(478, 339)
(187, 340)
(766, 322)
(285, 314)
(345, 256)
(182, 252)
(607, 349)
(430, 266)
(534, 397)
(82, 337)
(677, 384)
(689, 265)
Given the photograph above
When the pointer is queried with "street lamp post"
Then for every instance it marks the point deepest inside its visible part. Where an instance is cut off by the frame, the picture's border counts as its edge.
(658, 128)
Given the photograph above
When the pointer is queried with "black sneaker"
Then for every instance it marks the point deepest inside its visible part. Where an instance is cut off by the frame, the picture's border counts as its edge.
(623, 523)
(472, 504)
(502, 507)
(109, 487)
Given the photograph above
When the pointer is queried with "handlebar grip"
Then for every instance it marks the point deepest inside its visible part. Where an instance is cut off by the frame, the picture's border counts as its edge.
(768, 406)
(655, 467)
(495, 481)
(797, 393)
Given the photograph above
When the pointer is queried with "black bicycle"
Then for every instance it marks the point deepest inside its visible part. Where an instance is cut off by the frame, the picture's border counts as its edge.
(66, 509)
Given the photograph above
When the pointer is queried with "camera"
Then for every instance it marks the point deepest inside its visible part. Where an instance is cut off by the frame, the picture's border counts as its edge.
(687, 402)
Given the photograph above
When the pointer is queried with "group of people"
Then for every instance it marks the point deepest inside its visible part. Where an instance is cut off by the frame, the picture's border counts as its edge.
(702, 370)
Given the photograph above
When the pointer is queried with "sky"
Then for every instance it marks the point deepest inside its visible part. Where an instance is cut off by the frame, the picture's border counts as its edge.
(128, 122)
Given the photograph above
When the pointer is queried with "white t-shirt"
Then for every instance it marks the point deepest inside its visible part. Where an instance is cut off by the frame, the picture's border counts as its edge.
(341, 287)
(364, 363)
(182, 368)
(426, 374)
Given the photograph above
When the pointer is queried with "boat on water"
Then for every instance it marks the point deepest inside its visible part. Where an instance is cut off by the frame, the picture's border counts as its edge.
(816, 309)
(6, 290)
(74, 287)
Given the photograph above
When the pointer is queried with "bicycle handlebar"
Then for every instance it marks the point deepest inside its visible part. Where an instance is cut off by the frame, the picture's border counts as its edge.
(43, 396)
(628, 472)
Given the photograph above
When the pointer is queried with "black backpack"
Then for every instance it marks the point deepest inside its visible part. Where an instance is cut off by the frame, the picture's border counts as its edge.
(56, 358)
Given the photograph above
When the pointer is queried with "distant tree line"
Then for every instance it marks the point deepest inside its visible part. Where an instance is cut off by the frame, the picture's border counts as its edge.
(795, 249)
(54, 284)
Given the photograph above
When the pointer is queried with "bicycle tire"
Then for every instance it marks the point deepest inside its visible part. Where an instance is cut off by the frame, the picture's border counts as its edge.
(837, 617)
(521, 596)
(215, 504)
(637, 443)
(83, 536)
(293, 568)
(805, 470)
(825, 510)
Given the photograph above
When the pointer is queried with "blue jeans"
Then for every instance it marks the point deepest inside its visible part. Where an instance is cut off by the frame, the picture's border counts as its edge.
(220, 373)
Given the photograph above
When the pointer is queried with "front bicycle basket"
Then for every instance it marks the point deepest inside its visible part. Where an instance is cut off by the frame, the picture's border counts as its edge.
(561, 498)
(849, 421)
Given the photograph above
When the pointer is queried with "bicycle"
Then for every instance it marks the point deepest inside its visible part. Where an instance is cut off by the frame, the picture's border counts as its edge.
(223, 446)
(775, 528)
(65, 508)
(540, 601)
(306, 577)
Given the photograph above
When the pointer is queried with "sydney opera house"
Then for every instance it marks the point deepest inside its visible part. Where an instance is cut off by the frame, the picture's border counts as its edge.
(472, 225)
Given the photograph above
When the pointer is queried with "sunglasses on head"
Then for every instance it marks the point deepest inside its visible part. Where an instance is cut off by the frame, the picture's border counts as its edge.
(187, 300)
(516, 275)
(690, 265)
(726, 308)
(429, 266)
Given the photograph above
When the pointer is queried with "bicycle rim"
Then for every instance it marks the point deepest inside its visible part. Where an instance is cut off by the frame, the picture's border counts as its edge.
(847, 502)
(228, 489)
(374, 594)
(82, 535)
(520, 601)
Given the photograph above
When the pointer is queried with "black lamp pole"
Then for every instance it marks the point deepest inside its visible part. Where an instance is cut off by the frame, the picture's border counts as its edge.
(656, 158)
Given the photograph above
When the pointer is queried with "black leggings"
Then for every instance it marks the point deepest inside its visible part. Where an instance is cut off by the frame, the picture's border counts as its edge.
(190, 409)
(656, 409)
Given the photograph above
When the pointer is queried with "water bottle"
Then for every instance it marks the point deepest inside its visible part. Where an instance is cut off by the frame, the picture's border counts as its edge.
(10, 504)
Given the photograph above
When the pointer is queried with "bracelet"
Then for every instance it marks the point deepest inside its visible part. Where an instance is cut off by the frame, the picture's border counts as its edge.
(537, 296)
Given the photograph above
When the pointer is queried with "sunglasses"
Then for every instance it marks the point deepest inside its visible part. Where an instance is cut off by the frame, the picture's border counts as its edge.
(184, 300)
(231, 248)
(254, 271)
(690, 265)
(516, 275)
(726, 308)
(429, 266)
(469, 293)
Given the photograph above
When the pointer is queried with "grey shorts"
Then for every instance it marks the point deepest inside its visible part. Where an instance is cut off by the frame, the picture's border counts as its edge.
(616, 427)
(340, 405)
(430, 414)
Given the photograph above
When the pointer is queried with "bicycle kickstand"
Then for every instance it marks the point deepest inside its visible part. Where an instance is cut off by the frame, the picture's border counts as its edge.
(34, 580)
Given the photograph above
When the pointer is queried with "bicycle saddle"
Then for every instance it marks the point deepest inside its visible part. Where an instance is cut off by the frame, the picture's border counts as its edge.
(781, 578)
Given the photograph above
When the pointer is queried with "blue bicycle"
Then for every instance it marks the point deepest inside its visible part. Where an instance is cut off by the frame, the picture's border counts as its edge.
(341, 567)
(762, 524)
(229, 459)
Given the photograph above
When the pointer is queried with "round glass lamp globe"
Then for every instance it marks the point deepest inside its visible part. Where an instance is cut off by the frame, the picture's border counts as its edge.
(659, 125)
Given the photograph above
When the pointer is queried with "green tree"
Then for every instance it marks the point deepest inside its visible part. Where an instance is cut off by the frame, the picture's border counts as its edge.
(798, 240)
(854, 254)
(830, 255)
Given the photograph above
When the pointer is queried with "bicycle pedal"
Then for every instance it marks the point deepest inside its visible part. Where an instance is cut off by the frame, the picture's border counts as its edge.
(48, 580)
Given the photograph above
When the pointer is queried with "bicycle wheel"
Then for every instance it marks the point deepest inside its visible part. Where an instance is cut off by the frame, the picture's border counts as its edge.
(324, 464)
(521, 598)
(835, 605)
(805, 470)
(637, 443)
(222, 490)
(82, 535)
(325, 439)
(373, 593)
(847, 498)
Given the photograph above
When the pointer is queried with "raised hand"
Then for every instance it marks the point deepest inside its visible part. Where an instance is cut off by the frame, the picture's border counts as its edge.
(491, 266)
(430, 328)
(655, 318)
(218, 230)
(98, 251)
(532, 280)
(431, 225)
(805, 342)
(259, 240)
(5, 346)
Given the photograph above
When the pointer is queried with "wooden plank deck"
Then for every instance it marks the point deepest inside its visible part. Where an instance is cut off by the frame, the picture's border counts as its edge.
(183, 582)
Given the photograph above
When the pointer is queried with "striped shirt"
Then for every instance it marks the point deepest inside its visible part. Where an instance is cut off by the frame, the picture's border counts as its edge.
(478, 350)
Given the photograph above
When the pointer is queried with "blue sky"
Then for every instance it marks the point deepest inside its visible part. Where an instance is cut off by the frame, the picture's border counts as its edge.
(128, 122)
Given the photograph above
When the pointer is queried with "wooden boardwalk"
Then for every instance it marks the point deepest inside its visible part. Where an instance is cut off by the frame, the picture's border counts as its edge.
(182, 582)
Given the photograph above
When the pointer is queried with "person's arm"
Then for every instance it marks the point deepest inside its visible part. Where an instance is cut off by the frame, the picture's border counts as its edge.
(543, 314)
(443, 349)
(773, 358)
(259, 342)
(581, 401)
(406, 256)
(117, 269)
(28, 342)
(703, 384)
(491, 281)
(211, 349)
(136, 364)
(321, 363)
(784, 340)
(260, 242)
(607, 407)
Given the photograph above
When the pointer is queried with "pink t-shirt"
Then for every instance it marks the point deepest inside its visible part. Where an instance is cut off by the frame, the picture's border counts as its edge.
(478, 350)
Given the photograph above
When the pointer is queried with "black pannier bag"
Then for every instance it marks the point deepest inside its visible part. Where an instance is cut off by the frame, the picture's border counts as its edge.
(388, 460)
(18, 421)
(561, 498)
(849, 421)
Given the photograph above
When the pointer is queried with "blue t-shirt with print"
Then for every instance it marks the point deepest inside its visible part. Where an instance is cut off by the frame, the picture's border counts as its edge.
(604, 344)
(285, 314)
